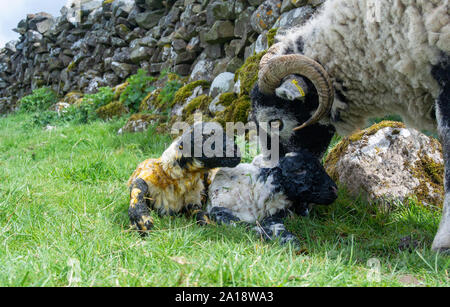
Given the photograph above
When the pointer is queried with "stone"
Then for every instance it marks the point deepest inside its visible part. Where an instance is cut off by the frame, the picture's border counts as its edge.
(389, 162)
(182, 69)
(223, 83)
(140, 54)
(219, 10)
(141, 122)
(123, 70)
(220, 32)
(265, 16)
(179, 44)
(202, 70)
(242, 25)
(295, 17)
(148, 20)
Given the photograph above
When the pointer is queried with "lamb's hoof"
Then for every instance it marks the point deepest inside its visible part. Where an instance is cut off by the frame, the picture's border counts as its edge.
(143, 226)
(203, 219)
(287, 238)
(223, 216)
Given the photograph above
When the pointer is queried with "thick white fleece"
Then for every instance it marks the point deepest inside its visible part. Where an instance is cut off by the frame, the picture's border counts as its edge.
(384, 67)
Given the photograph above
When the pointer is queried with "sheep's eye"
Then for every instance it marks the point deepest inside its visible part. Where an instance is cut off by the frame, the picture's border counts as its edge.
(276, 123)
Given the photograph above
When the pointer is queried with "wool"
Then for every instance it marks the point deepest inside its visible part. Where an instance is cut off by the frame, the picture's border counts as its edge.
(379, 67)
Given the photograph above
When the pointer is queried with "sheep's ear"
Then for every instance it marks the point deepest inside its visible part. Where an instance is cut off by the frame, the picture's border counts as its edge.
(293, 87)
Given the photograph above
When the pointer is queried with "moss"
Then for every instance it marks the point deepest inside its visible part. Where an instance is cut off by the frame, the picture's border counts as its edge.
(237, 111)
(248, 73)
(339, 150)
(119, 89)
(113, 109)
(374, 128)
(151, 101)
(271, 36)
(226, 99)
(124, 28)
(186, 91)
(147, 117)
(430, 175)
(71, 66)
(200, 103)
(72, 97)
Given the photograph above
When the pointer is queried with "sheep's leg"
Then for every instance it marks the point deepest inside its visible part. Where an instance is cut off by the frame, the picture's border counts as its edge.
(441, 73)
(139, 211)
(272, 228)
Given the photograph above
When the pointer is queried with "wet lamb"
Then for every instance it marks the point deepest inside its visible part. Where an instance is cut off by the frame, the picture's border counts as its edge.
(251, 194)
(174, 183)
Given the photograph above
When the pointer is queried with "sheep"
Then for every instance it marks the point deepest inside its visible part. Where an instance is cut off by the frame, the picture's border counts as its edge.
(350, 67)
(174, 183)
(250, 194)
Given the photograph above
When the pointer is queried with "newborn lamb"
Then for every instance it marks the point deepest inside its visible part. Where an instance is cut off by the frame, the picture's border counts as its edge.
(251, 194)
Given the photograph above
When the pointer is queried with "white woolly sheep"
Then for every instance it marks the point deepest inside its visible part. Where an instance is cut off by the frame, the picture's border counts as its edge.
(354, 67)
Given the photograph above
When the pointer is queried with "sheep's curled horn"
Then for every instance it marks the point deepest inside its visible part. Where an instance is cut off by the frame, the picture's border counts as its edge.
(275, 67)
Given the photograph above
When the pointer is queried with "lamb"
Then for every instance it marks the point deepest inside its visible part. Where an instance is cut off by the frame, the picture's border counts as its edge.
(250, 194)
(350, 67)
(174, 183)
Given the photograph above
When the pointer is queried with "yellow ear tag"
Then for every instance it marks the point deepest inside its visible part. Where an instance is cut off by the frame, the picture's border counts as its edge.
(299, 88)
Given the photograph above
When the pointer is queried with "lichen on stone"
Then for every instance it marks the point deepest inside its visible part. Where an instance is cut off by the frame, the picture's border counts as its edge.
(336, 153)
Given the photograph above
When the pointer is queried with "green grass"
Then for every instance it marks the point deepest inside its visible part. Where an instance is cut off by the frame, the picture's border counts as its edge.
(63, 199)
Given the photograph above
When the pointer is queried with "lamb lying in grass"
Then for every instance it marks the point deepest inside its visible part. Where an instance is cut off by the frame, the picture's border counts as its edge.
(173, 184)
(250, 194)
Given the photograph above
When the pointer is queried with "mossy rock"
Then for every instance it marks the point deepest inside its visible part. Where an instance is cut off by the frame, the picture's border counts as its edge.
(198, 104)
(336, 153)
(113, 109)
(119, 89)
(72, 97)
(248, 73)
(186, 91)
(237, 111)
(151, 101)
(397, 164)
(140, 122)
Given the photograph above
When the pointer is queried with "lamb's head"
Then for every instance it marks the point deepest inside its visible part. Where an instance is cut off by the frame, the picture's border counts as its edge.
(302, 178)
(203, 146)
(317, 92)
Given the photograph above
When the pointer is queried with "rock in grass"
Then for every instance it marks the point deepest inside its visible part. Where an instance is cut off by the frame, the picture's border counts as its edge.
(387, 162)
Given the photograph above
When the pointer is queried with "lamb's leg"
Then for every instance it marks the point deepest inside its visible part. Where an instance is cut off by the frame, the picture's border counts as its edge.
(272, 228)
(138, 211)
(441, 73)
(222, 215)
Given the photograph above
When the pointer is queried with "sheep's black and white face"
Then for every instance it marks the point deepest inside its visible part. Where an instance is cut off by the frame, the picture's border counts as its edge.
(206, 146)
(303, 179)
(290, 114)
